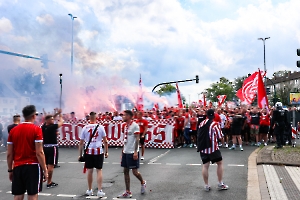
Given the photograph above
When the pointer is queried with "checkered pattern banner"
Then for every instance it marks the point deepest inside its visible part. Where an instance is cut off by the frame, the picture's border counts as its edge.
(159, 133)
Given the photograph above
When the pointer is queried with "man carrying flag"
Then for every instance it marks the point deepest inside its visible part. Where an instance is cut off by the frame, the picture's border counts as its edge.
(140, 100)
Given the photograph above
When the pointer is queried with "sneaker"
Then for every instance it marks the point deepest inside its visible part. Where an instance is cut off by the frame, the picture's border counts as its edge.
(51, 185)
(258, 144)
(241, 148)
(232, 148)
(195, 145)
(185, 145)
(125, 195)
(222, 187)
(207, 188)
(143, 188)
(89, 192)
(226, 145)
(191, 145)
(266, 144)
(142, 158)
(100, 194)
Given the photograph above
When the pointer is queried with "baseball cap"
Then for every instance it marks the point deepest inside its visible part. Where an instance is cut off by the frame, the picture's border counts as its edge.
(210, 113)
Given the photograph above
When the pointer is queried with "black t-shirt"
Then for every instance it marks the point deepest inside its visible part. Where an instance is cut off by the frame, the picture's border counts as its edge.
(11, 126)
(255, 118)
(49, 133)
(238, 121)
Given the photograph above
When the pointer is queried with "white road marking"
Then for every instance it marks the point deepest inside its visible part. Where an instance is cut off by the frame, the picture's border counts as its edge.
(157, 157)
(294, 173)
(0, 190)
(3, 160)
(66, 195)
(234, 165)
(95, 197)
(74, 162)
(116, 163)
(194, 164)
(105, 162)
(123, 199)
(44, 194)
(61, 162)
(141, 163)
(154, 163)
(2, 152)
(9, 192)
(173, 163)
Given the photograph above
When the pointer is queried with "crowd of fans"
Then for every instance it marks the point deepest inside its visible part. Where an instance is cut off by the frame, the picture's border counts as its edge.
(241, 125)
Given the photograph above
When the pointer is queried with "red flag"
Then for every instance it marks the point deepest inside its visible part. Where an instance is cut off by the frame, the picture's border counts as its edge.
(248, 92)
(262, 98)
(221, 99)
(140, 101)
(180, 105)
(204, 100)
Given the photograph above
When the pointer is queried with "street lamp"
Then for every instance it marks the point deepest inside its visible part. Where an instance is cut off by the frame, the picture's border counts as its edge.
(264, 41)
(72, 18)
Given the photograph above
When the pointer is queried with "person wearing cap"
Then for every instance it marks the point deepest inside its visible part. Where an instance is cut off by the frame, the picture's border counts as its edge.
(211, 152)
(94, 154)
(73, 118)
(279, 123)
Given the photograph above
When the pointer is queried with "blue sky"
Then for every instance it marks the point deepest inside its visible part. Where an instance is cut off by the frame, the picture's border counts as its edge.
(116, 40)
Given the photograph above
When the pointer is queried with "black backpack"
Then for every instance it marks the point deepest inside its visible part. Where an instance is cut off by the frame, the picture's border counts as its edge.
(203, 141)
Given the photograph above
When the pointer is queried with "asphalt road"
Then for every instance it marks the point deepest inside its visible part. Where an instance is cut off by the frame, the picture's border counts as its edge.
(170, 174)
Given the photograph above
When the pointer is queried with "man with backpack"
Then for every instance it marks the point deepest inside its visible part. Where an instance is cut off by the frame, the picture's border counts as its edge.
(208, 135)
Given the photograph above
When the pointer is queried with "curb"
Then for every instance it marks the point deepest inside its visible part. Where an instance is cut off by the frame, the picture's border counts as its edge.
(260, 160)
(253, 189)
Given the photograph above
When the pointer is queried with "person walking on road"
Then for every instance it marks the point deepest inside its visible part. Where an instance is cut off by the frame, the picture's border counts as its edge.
(208, 136)
(143, 123)
(94, 154)
(50, 144)
(130, 154)
(25, 150)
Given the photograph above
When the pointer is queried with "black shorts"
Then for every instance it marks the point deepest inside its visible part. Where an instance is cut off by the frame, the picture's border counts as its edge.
(128, 162)
(264, 129)
(51, 154)
(27, 178)
(94, 161)
(236, 130)
(142, 140)
(179, 132)
(213, 158)
(193, 132)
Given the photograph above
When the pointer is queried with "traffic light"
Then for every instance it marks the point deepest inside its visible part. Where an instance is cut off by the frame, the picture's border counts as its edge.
(268, 91)
(298, 54)
(197, 79)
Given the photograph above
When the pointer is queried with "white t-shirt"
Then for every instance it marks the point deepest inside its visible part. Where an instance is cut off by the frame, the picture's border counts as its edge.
(95, 147)
(129, 145)
(223, 120)
(117, 118)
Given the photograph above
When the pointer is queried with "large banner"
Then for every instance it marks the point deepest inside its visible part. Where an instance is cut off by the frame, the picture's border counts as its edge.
(159, 134)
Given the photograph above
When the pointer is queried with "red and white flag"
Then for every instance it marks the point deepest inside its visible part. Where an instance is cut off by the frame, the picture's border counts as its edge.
(180, 105)
(262, 98)
(140, 100)
(248, 92)
(221, 99)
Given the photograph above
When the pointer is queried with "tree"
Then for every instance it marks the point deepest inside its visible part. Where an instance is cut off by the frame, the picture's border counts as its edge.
(283, 92)
(167, 89)
(238, 82)
(223, 87)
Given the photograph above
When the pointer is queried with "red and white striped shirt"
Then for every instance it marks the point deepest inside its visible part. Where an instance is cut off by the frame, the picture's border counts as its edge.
(215, 133)
(95, 147)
